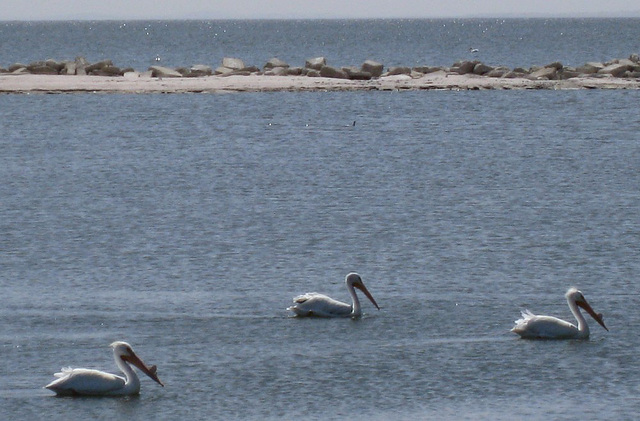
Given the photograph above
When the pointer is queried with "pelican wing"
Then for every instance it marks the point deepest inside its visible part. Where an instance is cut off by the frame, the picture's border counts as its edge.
(531, 326)
(313, 304)
(305, 297)
(83, 381)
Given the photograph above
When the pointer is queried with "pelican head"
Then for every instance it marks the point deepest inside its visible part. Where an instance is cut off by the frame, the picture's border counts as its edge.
(575, 296)
(354, 280)
(123, 352)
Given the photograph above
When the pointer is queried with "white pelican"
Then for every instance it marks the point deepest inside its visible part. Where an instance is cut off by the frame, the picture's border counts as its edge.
(313, 304)
(548, 327)
(84, 381)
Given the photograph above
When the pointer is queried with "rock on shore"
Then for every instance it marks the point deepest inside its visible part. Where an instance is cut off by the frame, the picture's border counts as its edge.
(319, 67)
(475, 74)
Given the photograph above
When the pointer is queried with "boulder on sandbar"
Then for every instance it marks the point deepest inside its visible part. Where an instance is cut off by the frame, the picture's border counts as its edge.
(372, 67)
(567, 73)
(131, 75)
(200, 70)
(333, 72)
(222, 70)
(315, 63)
(615, 69)
(354, 73)
(107, 71)
(294, 71)
(481, 69)
(20, 71)
(58, 65)
(161, 71)
(233, 63)
(69, 68)
(427, 69)
(499, 71)
(274, 63)
(516, 73)
(40, 68)
(464, 67)
(398, 70)
(16, 66)
(82, 61)
(81, 66)
(185, 72)
(627, 61)
(276, 71)
(237, 73)
(544, 73)
(590, 68)
(251, 69)
(234, 66)
(98, 66)
(285, 71)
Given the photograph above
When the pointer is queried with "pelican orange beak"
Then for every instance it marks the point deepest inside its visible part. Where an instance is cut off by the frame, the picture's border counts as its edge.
(366, 292)
(596, 316)
(149, 371)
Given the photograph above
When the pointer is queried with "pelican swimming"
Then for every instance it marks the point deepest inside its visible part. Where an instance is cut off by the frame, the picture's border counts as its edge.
(548, 327)
(319, 305)
(84, 381)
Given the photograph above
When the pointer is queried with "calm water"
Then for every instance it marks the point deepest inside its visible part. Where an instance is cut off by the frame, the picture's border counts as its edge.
(176, 224)
(185, 224)
(441, 42)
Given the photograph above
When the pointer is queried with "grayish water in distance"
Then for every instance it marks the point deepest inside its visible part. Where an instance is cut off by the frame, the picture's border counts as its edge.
(434, 42)
(184, 224)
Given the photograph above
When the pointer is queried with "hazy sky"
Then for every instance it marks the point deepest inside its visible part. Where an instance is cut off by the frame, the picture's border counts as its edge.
(269, 9)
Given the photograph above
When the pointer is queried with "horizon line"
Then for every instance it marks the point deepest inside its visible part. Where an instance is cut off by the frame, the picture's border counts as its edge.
(193, 17)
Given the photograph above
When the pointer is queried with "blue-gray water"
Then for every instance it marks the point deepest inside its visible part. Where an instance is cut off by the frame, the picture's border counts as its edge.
(184, 224)
(436, 42)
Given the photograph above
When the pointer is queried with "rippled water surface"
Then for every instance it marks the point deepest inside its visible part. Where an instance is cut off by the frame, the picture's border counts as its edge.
(434, 42)
(185, 224)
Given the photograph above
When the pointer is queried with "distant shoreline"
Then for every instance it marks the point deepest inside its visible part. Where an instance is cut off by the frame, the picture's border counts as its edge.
(233, 75)
(140, 83)
(618, 14)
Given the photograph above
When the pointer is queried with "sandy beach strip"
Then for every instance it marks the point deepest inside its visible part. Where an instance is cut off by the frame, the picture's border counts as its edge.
(138, 83)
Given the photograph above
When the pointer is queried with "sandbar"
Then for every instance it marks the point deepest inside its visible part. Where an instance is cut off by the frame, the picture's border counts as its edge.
(140, 83)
